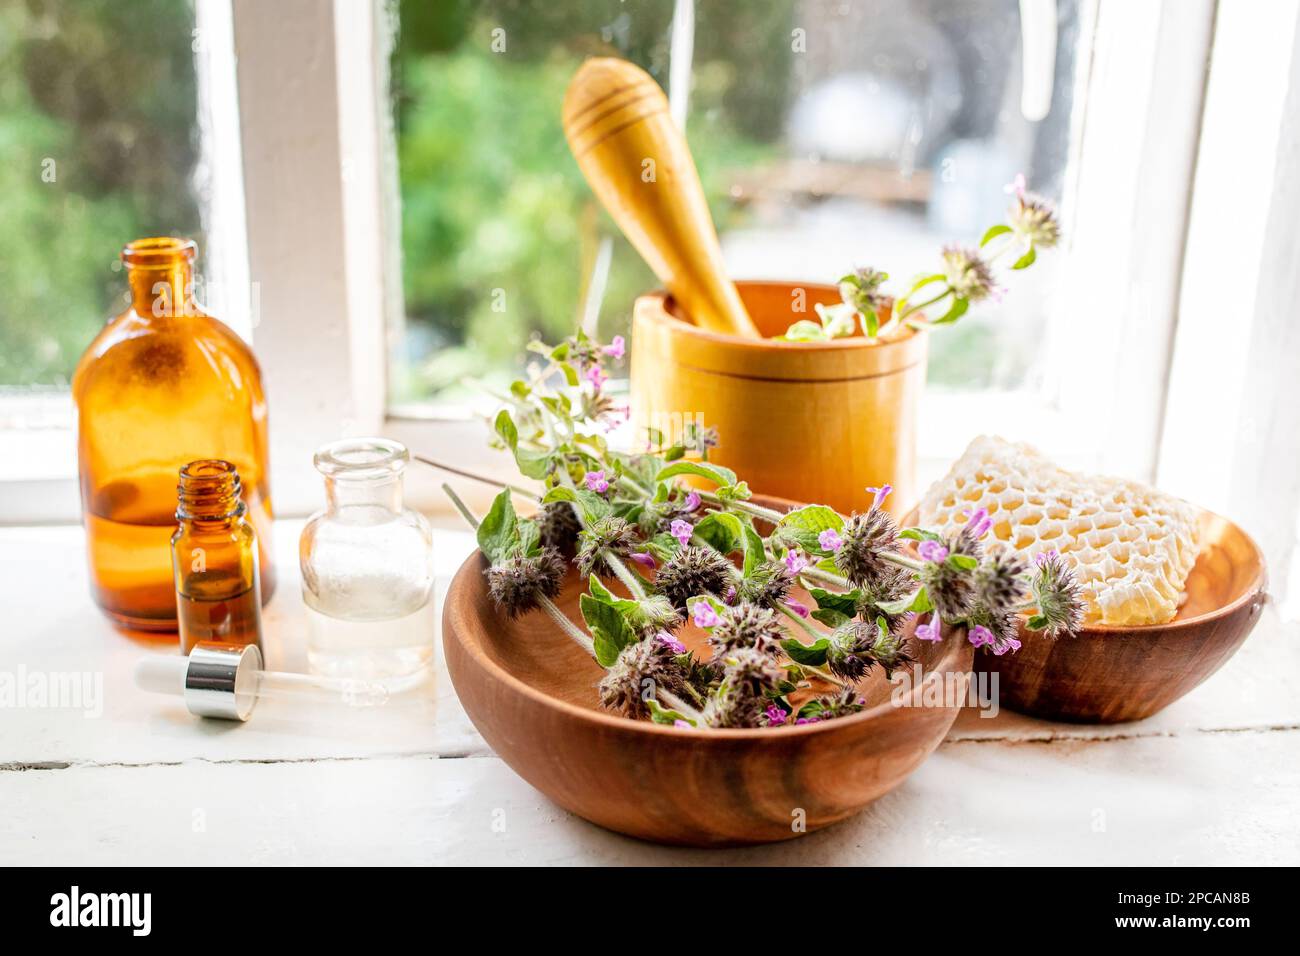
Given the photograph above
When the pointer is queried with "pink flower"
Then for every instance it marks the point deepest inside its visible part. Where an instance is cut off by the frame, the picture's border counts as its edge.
(1045, 556)
(596, 376)
(808, 720)
(615, 348)
(670, 642)
(830, 540)
(729, 596)
(681, 723)
(1006, 644)
(596, 481)
(795, 561)
(795, 606)
(703, 615)
(932, 551)
(643, 558)
(775, 715)
(931, 631)
(1016, 187)
(978, 521)
(980, 636)
(682, 531)
(616, 416)
(692, 502)
(881, 494)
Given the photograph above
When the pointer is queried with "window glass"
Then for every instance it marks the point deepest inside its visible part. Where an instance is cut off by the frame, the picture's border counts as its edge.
(829, 135)
(99, 139)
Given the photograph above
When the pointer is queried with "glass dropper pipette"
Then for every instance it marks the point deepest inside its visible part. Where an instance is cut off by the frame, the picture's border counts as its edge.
(227, 680)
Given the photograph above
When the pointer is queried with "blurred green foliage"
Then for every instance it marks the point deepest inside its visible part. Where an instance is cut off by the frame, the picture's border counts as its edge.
(98, 138)
(491, 197)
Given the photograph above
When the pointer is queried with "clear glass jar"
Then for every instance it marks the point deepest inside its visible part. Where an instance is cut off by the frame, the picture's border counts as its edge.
(367, 569)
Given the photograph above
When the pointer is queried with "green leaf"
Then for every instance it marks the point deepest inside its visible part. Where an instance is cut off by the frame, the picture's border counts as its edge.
(599, 591)
(845, 603)
(1037, 623)
(498, 532)
(918, 601)
(532, 464)
(803, 525)
(570, 374)
(993, 232)
(837, 320)
(805, 330)
(593, 505)
(870, 323)
(701, 469)
(962, 562)
(835, 608)
(920, 534)
(810, 709)
(663, 546)
(810, 655)
(530, 536)
(755, 551)
(955, 312)
(722, 531)
(505, 427)
(1025, 261)
(737, 492)
(610, 631)
(662, 715)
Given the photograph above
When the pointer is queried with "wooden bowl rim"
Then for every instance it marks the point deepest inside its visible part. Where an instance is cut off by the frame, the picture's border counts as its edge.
(955, 645)
(850, 343)
(1257, 584)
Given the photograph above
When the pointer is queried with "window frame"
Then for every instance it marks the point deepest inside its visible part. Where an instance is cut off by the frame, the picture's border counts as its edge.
(318, 209)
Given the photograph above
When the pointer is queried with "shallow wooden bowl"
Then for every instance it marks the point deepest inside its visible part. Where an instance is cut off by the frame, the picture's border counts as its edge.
(1113, 674)
(532, 695)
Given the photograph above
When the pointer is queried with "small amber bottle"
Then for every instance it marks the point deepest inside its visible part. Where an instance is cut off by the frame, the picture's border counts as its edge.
(162, 384)
(215, 559)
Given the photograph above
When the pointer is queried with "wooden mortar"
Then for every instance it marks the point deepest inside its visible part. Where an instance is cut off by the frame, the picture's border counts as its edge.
(809, 421)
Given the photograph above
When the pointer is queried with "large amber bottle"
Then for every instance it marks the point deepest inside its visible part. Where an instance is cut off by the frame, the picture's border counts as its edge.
(162, 384)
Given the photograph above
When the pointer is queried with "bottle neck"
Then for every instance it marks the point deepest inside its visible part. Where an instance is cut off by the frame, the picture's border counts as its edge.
(162, 290)
(160, 271)
(209, 492)
(383, 493)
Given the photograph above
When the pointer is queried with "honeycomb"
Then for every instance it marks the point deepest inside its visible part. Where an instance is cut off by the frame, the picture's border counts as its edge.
(1131, 547)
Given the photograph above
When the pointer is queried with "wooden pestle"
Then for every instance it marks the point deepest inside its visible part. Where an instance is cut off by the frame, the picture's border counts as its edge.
(636, 160)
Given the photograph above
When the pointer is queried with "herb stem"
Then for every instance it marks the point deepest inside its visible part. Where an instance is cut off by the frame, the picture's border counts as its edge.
(513, 489)
(947, 290)
(676, 703)
(570, 629)
(753, 510)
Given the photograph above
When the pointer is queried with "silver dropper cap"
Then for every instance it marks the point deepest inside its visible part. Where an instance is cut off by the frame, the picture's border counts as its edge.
(217, 679)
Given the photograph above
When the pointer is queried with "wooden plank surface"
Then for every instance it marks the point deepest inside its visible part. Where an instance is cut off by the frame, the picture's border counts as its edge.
(1212, 779)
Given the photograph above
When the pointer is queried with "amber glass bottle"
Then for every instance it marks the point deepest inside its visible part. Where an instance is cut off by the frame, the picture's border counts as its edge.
(162, 384)
(214, 559)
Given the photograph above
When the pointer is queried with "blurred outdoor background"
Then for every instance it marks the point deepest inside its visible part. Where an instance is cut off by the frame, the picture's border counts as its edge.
(895, 138)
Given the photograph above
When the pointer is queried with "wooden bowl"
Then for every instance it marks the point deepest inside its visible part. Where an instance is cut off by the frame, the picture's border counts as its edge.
(1113, 674)
(807, 421)
(532, 695)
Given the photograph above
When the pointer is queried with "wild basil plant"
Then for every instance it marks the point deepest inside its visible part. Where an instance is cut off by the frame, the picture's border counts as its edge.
(968, 276)
(654, 553)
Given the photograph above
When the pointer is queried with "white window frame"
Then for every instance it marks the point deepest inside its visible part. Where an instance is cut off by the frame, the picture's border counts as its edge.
(315, 194)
